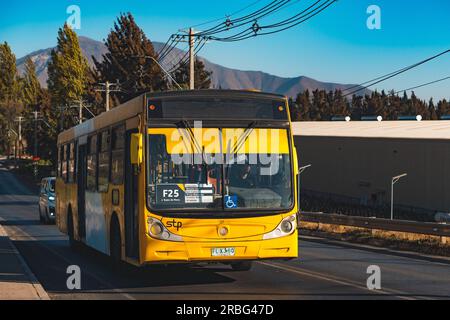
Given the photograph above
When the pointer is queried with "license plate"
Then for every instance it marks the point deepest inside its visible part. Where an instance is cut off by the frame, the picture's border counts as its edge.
(223, 252)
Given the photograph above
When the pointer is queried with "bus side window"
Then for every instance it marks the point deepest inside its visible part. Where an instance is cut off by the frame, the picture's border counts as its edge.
(91, 179)
(117, 155)
(61, 157)
(103, 161)
(64, 163)
(71, 173)
(58, 166)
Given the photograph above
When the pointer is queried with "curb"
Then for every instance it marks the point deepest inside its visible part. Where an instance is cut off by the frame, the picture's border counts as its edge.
(41, 293)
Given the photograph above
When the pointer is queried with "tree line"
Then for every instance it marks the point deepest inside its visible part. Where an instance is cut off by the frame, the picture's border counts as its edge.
(129, 62)
(320, 105)
(71, 82)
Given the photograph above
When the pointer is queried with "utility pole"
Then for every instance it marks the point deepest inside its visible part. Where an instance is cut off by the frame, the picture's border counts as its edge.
(80, 111)
(107, 95)
(35, 134)
(108, 88)
(191, 59)
(19, 120)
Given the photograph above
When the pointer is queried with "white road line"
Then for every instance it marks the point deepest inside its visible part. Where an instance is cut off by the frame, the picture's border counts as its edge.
(346, 282)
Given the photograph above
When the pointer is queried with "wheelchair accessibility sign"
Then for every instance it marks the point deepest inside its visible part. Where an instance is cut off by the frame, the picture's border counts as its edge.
(231, 202)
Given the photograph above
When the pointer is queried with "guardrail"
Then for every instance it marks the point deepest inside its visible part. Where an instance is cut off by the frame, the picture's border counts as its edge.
(432, 229)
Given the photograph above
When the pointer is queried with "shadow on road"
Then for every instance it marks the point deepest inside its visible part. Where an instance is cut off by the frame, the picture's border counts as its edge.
(49, 260)
(20, 222)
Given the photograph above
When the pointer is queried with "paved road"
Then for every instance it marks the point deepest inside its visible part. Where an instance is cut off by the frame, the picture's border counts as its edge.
(324, 271)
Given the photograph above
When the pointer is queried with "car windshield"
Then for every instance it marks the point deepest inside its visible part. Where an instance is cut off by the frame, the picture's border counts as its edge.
(212, 170)
(51, 186)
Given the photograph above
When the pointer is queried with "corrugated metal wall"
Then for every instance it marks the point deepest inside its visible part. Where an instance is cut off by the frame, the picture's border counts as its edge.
(363, 167)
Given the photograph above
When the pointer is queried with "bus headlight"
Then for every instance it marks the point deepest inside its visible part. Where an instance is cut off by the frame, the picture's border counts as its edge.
(158, 231)
(285, 228)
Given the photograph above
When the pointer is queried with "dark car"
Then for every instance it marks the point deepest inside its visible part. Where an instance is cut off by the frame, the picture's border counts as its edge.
(47, 200)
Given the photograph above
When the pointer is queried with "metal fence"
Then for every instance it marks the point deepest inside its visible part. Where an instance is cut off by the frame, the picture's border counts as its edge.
(434, 229)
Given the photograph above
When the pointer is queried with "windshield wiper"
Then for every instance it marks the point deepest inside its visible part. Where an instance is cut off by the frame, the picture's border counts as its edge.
(239, 143)
(201, 150)
(244, 137)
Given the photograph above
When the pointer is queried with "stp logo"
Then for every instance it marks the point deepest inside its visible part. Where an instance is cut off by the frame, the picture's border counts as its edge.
(174, 224)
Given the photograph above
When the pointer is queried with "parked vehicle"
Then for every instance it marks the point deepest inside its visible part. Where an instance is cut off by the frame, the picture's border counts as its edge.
(47, 200)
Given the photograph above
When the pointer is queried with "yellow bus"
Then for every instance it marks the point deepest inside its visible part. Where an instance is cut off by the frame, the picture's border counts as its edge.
(182, 177)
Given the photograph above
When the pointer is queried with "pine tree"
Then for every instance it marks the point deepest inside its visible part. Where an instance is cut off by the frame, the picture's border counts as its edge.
(67, 75)
(37, 99)
(67, 69)
(443, 108)
(304, 107)
(31, 97)
(10, 104)
(432, 111)
(201, 75)
(128, 61)
(31, 90)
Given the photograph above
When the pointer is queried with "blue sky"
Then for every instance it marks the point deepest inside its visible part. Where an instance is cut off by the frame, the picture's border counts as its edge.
(334, 46)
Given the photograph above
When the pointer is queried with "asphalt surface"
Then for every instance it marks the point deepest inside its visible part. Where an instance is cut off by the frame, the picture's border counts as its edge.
(324, 271)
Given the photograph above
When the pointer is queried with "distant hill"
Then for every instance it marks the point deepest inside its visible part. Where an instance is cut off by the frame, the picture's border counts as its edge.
(222, 77)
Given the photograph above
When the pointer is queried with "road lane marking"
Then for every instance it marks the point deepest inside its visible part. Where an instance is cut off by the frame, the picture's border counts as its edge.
(312, 274)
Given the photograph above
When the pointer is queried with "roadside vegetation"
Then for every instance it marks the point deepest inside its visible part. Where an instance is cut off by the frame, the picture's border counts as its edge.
(71, 83)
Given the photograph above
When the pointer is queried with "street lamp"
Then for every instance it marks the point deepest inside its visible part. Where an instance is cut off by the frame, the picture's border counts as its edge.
(165, 71)
(394, 181)
(300, 171)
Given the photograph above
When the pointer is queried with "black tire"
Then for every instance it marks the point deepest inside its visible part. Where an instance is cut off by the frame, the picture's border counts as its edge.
(74, 244)
(115, 245)
(242, 266)
(46, 218)
(41, 219)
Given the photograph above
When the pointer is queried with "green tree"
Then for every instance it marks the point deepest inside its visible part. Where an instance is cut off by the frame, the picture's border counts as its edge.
(443, 108)
(67, 73)
(31, 97)
(10, 104)
(31, 88)
(303, 101)
(201, 75)
(37, 99)
(128, 62)
(432, 111)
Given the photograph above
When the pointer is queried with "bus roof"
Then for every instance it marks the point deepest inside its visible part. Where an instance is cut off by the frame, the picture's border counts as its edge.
(216, 93)
(134, 107)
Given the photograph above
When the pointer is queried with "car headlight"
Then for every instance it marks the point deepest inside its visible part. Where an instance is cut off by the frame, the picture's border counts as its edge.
(285, 228)
(51, 198)
(158, 231)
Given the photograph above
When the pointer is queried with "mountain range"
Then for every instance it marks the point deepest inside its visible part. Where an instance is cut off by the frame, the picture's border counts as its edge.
(222, 77)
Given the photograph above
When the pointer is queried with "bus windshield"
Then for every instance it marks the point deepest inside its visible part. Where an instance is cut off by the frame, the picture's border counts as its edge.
(210, 170)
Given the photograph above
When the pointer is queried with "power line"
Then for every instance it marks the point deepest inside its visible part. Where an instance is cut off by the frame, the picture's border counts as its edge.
(373, 82)
(273, 7)
(423, 85)
(251, 21)
(294, 21)
(226, 16)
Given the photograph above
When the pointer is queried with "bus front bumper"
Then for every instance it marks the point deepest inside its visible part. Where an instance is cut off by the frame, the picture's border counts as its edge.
(158, 251)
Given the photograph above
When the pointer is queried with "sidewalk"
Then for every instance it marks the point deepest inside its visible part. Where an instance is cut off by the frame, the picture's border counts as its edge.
(17, 282)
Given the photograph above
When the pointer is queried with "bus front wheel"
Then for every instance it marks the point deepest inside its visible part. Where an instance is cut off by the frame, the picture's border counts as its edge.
(74, 244)
(241, 266)
(115, 244)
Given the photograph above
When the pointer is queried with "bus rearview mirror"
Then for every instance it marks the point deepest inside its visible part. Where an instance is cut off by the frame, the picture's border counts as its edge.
(136, 149)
